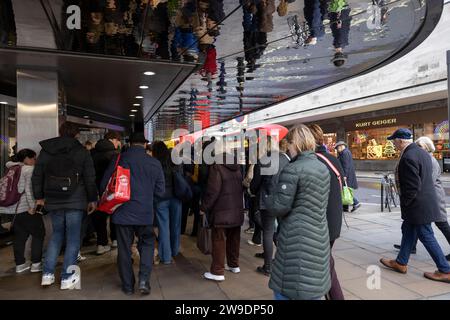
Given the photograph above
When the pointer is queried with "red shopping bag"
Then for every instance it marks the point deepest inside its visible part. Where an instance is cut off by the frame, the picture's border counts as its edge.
(118, 190)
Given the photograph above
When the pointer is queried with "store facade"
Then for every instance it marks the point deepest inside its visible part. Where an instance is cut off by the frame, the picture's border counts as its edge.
(366, 133)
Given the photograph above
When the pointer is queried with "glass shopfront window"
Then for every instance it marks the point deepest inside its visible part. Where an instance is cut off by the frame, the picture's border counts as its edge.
(330, 140)
(372, 144)
(436, 131)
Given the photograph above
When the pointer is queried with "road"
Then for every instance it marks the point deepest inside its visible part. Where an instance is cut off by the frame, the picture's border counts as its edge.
(369, 191)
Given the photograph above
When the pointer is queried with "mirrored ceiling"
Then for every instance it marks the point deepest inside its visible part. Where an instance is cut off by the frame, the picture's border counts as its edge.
(267, 53)
(247, 54)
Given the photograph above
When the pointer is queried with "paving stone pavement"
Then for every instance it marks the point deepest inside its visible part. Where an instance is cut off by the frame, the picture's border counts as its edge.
(369, 237)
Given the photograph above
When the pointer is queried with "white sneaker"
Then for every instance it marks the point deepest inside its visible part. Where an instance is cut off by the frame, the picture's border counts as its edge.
(36, 267)
(103, 249)
(114, 244)
(22, 267)
(250, 242)
(210, 276)
(71, 283)
(48, 279)
(233, 270)
(311, 41)
(80, 257)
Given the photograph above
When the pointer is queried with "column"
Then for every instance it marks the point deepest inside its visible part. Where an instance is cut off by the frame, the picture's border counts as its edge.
(37, 108)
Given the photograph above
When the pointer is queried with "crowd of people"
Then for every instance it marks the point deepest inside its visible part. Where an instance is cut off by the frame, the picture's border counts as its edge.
(297, 207)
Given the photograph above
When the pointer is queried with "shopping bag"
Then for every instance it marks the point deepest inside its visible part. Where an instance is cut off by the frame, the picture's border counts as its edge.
(204, 242)
(118, 190)
(347, 195)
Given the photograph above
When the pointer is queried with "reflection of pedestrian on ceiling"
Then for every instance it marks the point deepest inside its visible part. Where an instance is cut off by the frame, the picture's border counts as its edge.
(257, 22)
(340, 21)
(338, 12)
(315, 12)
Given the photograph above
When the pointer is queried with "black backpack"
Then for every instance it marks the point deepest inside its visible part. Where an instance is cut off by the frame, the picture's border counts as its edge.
(62, 176)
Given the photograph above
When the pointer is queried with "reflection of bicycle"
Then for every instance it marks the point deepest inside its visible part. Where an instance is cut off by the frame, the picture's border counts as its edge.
(298, 31)
(380, 14)
(389, 193)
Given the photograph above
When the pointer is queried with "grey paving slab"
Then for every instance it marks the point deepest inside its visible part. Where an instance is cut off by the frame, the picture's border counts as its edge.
(388, 290)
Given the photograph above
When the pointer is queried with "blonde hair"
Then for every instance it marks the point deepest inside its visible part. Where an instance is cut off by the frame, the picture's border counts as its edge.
(317, 132)
(283, 145)
(426, 144)
(301, 137)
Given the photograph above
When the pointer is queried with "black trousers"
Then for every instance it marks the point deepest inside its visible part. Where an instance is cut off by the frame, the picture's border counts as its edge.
(146, 241)
(25, 225)
(268, 223)
(184, 216)
(257, 233)
(100, 220)
(194, 205)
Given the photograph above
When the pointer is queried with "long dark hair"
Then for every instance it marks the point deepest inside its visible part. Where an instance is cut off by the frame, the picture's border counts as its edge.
(162, 153)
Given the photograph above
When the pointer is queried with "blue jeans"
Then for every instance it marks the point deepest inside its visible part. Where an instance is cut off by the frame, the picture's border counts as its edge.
(65, 223)
(425, 234)
(314, 12)
(280, 297)
(168, 214)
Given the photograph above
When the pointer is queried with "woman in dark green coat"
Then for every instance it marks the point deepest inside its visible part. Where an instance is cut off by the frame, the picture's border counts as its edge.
(301, 270)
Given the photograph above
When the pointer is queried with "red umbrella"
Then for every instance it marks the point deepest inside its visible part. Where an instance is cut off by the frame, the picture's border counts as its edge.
(272, 129)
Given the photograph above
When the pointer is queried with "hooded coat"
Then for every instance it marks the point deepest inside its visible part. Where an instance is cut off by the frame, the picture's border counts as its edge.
(102, 155)
(224, 197)
(86, 190)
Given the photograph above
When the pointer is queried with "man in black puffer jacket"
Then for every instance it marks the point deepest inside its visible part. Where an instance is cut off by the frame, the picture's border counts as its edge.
(102, 154)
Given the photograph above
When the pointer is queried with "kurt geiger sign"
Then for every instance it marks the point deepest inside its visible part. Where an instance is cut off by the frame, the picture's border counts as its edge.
(375, 123)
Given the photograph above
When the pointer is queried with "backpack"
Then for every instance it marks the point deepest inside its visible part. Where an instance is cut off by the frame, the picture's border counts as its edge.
(61, 176)
(9, 186)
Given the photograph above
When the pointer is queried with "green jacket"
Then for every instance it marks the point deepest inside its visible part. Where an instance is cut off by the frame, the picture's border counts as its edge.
(301, 270)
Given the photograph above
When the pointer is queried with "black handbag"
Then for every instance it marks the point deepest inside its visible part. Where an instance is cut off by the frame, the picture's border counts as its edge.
(204, 241)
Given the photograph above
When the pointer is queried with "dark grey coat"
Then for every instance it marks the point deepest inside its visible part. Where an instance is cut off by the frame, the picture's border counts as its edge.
(301, 270)
(346, 160)
(418, 199)
(334, 208)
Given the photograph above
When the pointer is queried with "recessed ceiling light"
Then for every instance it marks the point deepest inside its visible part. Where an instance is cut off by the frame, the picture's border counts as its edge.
(136, 104)
(149, 73)
(143, 87)
(139, 97)
(132, 115)
(134, 110)
(3, 102)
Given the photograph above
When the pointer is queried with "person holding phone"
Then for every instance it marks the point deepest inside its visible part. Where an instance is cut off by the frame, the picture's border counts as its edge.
(27, 221)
